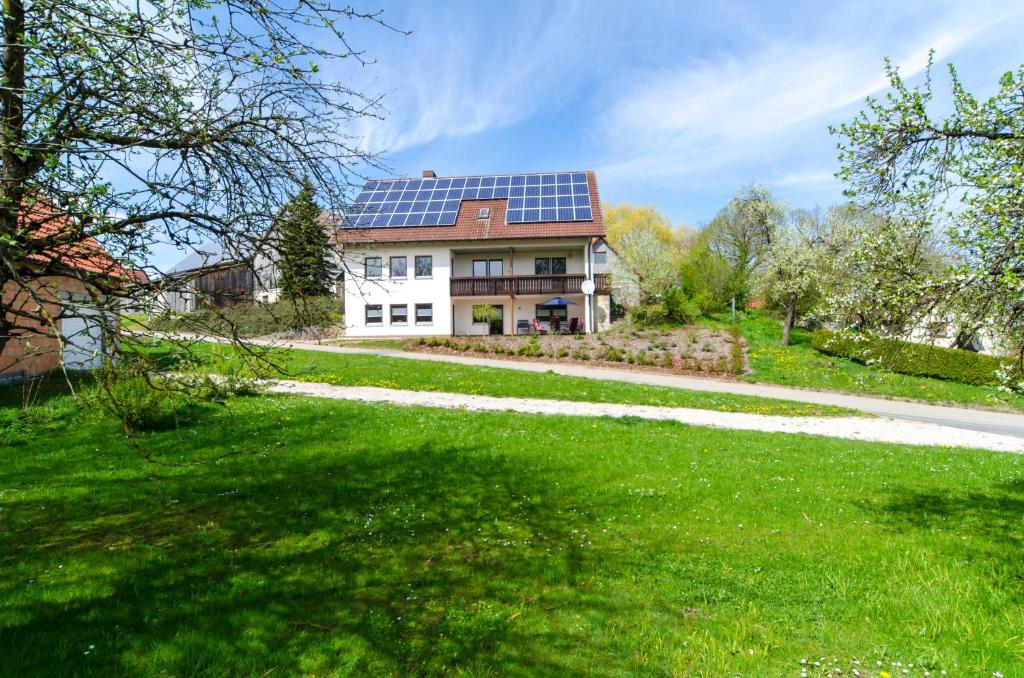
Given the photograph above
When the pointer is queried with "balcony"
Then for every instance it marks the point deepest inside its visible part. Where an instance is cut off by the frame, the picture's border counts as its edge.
(506, 285)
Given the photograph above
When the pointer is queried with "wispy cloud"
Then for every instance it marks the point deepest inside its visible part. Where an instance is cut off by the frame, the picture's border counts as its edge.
(467, 70)
(710, 115)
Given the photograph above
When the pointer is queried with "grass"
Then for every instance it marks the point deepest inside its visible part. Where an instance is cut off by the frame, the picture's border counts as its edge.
(801, 365)
(340, 538)
(423, 375)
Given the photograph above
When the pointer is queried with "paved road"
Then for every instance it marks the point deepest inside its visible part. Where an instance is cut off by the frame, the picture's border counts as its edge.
(1003, 423)
(879, 429)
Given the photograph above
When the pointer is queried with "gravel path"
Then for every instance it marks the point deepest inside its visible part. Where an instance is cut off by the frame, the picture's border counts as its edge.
(853, 428)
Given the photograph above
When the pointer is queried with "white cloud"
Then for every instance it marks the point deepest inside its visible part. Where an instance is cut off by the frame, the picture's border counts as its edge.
(746, 110)
(463, 72)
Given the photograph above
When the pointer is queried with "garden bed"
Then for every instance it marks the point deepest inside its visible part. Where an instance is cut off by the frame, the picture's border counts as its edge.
(687, 350)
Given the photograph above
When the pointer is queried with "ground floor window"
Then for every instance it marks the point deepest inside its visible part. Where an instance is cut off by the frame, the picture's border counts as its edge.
(546, 313)
(374, 314)
(399, 314)
(424, 314)
(492, 314)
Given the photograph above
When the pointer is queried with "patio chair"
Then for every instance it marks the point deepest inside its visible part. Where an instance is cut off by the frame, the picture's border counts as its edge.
(522, 327)
(537, 327)
(574, 326)
(555, 325)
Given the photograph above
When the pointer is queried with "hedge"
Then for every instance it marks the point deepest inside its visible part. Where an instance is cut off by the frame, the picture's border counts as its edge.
(920, 360)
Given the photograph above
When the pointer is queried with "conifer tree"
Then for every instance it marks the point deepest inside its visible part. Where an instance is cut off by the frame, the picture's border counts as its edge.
(306, 263)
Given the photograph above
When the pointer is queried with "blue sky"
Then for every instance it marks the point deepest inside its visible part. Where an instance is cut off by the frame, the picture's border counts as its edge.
(673, 104)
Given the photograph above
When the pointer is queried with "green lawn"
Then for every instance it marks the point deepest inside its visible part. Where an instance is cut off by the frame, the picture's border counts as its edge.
(340, 538)
(801, 365)
(423, 375)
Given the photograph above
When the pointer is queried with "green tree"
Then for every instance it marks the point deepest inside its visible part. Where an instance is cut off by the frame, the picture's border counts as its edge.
(961, 174)
(306, 262)
(648, 253)
(741, 233)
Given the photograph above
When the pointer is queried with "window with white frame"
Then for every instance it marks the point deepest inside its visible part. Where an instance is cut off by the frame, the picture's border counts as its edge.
(373, 267)
(374, 314)
(399, 314)
(424, 266)
(424, 314)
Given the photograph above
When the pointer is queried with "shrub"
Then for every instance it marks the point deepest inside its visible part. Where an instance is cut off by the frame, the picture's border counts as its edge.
(255, 320)
(531, 348)
(920, 360)
(141, 405)
(581, 354)
(562, 352)
(667, 362)
(611, 354)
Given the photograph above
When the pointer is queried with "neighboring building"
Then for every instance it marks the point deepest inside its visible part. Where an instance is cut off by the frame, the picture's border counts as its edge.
(935, 331)
(213, 276)
(421, 253)
(75, 338)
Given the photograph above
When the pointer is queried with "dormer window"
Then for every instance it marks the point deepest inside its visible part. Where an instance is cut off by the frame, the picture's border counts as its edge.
(485, 213)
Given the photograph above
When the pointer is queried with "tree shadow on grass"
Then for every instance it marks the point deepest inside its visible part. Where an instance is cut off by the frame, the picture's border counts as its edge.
(376, 558)
(993, 518)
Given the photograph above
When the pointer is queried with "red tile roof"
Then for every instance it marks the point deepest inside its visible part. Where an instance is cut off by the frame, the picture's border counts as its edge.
(86, 255)
(469, 227)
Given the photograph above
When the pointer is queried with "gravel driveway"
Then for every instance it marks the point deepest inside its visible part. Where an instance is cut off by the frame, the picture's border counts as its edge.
(881, 429)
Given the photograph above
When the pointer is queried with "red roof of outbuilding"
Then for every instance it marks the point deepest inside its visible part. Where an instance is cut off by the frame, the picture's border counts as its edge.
(469, 227)
(87, 255)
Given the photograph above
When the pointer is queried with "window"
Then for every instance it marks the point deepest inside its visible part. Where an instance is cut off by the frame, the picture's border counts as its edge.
(374, 314)
(424, 314)
(399, 314)
(549, 265)
(546, 313)
(600, 257)
(398, 267)
(424, 266)
(488, 267)
(373, 267)
(485, 213)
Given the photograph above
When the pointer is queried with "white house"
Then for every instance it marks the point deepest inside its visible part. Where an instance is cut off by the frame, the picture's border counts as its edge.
(425, 256)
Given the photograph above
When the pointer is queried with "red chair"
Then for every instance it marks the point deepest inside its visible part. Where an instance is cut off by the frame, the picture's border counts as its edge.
(537, 327)
(574, 326)
(554, 324)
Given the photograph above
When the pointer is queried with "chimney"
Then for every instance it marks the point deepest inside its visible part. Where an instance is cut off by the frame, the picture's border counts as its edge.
(429, 174)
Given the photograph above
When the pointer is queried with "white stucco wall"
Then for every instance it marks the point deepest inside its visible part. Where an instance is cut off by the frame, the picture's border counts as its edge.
(360, 291)
(450, 259)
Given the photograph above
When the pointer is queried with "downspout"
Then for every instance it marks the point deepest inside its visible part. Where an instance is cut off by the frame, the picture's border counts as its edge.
(592, 324)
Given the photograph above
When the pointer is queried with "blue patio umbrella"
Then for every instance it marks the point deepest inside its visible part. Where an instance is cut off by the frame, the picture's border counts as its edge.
(558, 301)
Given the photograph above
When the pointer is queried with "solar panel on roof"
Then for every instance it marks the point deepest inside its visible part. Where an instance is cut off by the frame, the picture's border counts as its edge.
(562, 196)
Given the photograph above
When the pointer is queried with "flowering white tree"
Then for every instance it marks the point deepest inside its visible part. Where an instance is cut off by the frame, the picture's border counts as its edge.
(796, 265)
(961, 174)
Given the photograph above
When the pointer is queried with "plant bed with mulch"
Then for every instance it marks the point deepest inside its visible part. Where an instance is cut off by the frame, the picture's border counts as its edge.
(685, 350)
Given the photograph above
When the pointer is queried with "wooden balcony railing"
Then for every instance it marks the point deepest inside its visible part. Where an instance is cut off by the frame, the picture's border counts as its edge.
(498, 286)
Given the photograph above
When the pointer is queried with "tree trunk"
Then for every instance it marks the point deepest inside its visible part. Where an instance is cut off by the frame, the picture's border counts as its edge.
(12, 136)
(787, 324)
